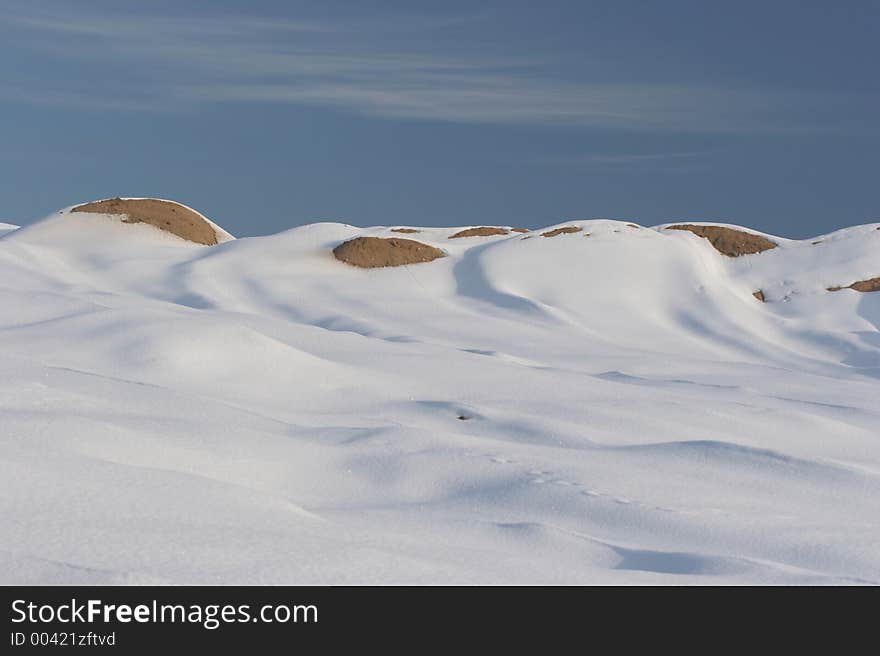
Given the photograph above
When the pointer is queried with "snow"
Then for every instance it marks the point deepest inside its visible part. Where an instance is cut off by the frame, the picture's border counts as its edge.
(257, 412)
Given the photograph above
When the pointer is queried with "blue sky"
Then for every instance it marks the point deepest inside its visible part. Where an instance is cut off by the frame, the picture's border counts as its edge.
(269, 114)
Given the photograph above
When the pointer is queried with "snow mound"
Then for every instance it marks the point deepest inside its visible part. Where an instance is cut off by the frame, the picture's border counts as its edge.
(729, 241)
(483, 231)
(611, 409)
(168, 216)
(373, 252)
(565, 230)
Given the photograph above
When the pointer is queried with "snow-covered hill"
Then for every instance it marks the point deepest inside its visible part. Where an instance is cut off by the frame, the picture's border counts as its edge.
(603, 406)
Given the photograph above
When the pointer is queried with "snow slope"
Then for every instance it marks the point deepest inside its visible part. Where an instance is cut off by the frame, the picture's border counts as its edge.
(610, 407)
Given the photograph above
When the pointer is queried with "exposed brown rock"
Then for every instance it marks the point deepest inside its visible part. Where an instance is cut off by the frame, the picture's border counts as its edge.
(633, 225)
(407, 231)
(729, 241)
(519, 229)
(561, 231)
(759, 295)
(163, 214)
(484, 231)
(371, 252)
(870, 285)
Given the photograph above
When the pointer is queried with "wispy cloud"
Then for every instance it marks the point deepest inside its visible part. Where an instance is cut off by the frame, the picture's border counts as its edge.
(151, 62)
(638, 158)
(635, 162)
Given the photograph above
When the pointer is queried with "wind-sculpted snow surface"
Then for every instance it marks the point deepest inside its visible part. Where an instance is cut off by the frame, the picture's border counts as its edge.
(611, 405)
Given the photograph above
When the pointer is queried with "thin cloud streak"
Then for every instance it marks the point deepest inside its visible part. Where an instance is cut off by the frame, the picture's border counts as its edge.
(623, 162)
(183, 63)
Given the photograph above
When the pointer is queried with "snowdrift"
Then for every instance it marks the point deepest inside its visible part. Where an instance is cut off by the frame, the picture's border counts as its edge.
(612, 404)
